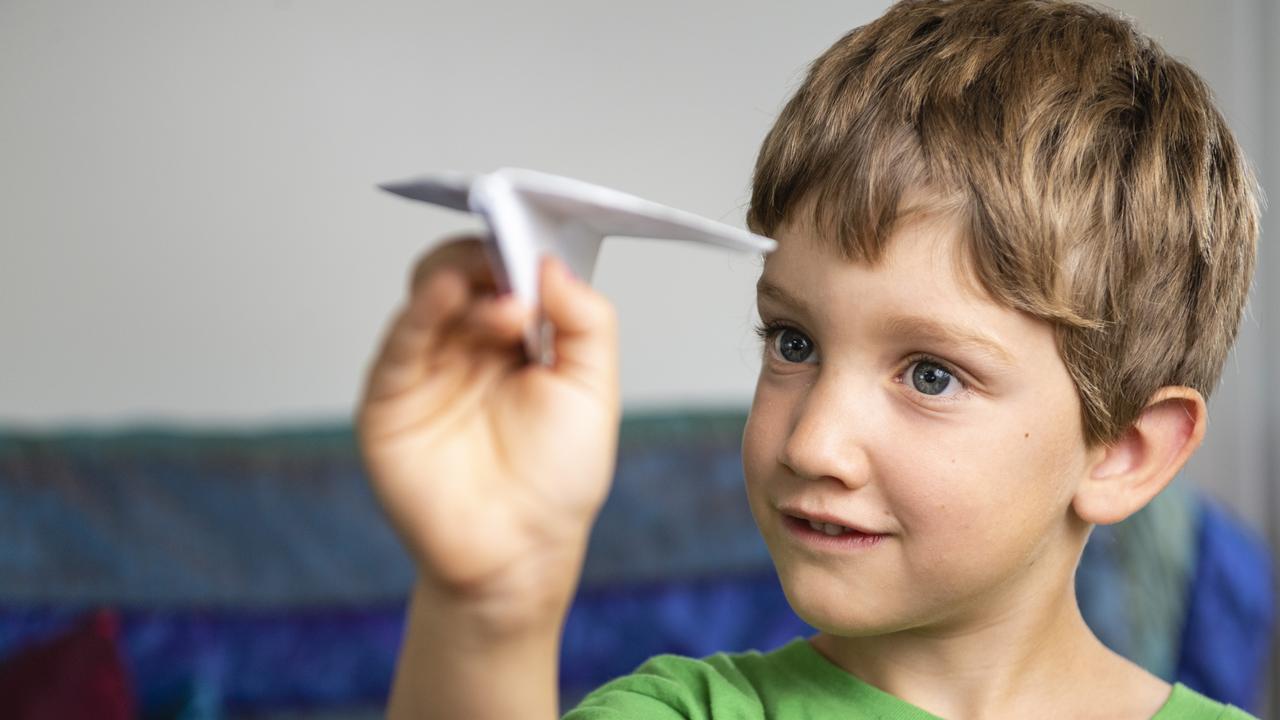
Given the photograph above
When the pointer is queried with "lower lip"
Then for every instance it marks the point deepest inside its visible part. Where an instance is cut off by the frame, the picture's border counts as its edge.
(850, 541)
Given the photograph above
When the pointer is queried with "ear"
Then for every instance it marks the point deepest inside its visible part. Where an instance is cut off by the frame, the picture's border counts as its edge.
(1124, 476)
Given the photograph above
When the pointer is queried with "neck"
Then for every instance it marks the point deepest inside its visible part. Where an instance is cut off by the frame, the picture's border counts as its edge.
(1026, 652)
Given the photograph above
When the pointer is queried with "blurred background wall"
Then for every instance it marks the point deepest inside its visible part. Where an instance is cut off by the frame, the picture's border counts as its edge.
(190, 233)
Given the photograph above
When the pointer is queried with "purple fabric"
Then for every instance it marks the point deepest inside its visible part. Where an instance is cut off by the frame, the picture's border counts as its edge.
(238, 660)
(245, 660)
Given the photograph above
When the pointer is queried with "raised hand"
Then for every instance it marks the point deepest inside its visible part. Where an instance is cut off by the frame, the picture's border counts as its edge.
(491, 468)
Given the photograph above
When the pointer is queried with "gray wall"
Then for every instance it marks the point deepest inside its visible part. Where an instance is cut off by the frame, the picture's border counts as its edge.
(189, 221)
(189, 230)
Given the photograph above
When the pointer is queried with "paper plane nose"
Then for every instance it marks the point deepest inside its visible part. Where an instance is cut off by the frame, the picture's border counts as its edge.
(447, 189)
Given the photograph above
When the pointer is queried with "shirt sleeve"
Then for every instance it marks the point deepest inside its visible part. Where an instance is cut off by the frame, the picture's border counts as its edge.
(1231, 712)
(669, 687)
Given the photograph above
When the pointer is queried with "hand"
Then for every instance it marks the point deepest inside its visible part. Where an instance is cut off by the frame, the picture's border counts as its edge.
(491, 468)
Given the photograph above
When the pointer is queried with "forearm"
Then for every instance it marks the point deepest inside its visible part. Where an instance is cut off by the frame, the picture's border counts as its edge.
(457, 661)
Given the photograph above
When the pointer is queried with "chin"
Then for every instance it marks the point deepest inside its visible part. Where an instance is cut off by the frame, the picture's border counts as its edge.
(837, 608)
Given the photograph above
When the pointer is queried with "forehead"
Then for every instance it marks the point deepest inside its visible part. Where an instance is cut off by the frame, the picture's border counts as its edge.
(922, 284)
(924, 257)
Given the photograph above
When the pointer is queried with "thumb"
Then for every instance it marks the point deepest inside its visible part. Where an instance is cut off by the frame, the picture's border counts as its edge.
(585, 324)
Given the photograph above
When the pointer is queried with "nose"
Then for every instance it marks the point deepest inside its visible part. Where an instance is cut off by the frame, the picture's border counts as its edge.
(829, 433)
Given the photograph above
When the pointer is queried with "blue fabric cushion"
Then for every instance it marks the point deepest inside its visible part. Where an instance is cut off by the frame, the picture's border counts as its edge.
(255, 572)
(1231, 614)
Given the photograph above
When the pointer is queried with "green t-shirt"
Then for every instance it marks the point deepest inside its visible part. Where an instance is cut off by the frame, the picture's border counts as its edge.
(794, 681)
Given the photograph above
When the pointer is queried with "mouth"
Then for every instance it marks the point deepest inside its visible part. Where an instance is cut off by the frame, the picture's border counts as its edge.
(830, 535)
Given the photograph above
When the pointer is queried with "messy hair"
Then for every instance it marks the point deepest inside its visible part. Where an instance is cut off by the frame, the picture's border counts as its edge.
(1098, 186)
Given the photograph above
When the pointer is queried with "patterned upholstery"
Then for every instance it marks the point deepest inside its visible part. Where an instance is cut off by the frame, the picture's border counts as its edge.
(253, 572)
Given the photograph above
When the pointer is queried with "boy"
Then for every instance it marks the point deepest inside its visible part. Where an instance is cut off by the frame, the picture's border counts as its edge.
(1014, 244)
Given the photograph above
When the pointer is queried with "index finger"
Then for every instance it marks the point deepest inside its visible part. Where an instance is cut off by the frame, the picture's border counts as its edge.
(442, 284)
(466, 254)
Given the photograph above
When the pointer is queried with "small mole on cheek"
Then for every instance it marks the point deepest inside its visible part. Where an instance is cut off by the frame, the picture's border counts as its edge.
(1026, 435)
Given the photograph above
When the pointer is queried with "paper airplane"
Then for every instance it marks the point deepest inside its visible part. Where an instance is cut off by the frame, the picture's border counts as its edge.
(530, 214)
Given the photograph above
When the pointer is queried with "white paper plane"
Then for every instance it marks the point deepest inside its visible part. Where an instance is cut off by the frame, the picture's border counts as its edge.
(530, 214)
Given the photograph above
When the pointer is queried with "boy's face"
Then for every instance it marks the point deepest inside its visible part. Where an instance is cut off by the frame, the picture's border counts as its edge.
(964, 460)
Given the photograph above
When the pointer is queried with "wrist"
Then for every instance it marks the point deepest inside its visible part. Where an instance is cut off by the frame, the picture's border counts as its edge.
(475, 660)
(530, 598)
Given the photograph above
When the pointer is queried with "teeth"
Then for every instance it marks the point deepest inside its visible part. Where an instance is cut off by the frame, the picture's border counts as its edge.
(828, 528)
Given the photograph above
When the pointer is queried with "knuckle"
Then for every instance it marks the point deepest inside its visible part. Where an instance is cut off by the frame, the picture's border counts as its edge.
(420, 274)
(463, 252)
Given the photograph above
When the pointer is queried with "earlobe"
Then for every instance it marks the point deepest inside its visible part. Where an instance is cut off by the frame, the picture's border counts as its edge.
(1124, 476)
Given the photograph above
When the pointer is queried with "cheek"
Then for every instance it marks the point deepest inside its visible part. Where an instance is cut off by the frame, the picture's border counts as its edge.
(944, 488)
(988, 497)
(765, 431)
(763, 437)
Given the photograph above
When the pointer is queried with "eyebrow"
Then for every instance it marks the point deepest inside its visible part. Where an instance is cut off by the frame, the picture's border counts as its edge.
(908, 325)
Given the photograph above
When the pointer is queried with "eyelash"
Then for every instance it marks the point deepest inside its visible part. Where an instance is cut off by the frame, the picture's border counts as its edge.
(768, 329)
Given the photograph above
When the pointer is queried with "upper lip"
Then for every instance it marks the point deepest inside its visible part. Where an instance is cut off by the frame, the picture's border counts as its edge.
(815, 516)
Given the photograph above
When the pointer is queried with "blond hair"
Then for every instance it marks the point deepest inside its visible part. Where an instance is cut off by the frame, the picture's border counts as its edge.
(1099, 187)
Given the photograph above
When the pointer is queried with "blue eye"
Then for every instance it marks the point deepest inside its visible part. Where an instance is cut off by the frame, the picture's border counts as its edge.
(795, 346)
(928, 376)
(931, 378)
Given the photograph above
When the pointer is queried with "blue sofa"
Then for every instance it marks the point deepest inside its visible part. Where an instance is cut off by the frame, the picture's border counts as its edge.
(253, 574)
